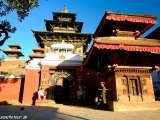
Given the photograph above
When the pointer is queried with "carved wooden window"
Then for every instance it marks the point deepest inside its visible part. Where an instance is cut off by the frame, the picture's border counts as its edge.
(133, 83)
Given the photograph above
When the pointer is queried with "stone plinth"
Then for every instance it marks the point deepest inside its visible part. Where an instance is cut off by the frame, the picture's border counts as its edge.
(39, 102)
(133, 106)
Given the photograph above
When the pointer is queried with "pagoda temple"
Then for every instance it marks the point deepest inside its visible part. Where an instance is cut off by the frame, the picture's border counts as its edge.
(13, 65)
(59, 68)
(63, 28)
(124, 61)
(14, 52)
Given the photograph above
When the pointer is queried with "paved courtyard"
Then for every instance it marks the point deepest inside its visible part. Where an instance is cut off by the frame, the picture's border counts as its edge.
(62, 112)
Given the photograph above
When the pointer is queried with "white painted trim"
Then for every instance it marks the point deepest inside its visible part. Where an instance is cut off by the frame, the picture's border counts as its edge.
(62, 46)
(61, 62)
(12, 76)
(32, 68)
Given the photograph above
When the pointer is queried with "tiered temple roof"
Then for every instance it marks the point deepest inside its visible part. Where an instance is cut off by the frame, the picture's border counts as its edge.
(14, 52)
(38, 53)
(63, 27)
(119, 35)
(117, 24)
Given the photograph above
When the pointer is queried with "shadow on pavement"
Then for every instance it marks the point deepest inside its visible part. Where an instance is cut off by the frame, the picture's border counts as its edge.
(34, 113)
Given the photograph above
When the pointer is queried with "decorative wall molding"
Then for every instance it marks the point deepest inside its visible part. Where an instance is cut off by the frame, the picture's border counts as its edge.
(133, 70)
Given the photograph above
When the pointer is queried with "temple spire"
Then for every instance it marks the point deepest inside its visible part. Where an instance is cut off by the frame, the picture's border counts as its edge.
(64, 9)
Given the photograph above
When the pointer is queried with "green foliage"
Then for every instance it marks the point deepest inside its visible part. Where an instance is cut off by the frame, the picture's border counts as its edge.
(21, 7)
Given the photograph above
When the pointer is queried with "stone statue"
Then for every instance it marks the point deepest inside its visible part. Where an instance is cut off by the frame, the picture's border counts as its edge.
(81, 92)
(42, 92)
(103, 92)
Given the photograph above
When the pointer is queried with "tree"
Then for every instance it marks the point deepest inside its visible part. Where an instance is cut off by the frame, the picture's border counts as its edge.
(21, 7)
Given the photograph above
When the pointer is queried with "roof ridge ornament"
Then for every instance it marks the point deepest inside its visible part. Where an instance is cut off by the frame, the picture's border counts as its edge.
(64, 9)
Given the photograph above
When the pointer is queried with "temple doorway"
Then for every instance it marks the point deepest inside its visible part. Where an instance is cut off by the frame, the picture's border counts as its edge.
(62, 86)
(62, 91)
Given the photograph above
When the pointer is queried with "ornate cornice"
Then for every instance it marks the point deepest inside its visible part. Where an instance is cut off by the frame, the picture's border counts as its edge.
(125, 70)
(131, 69)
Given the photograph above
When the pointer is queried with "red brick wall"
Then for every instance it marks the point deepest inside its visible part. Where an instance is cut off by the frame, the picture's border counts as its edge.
(90, 80)
(116, 57)
(111, 93)
(10, 89)
(31, 86)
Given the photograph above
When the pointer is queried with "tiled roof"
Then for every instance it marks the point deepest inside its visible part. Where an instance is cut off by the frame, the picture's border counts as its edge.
(38, 49)
(135, 15)
(13, 51)
(14, 45)
(36, 55)
(128, 41)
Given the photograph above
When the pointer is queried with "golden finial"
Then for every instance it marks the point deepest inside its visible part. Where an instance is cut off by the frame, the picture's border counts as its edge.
(64, 9)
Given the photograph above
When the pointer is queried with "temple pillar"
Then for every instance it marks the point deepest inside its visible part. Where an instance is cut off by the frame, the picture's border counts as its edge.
(31, 85)
(80, 101)
(45, 76)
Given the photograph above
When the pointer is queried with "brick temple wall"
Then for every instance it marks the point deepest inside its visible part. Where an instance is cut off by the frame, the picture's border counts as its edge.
(11, 88)
(13, 67)
(12, 73)
(116, 57)
(13, 63)
(31, 85)
(90, 81)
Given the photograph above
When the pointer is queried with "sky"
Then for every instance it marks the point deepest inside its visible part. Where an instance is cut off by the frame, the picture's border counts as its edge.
(88, 11)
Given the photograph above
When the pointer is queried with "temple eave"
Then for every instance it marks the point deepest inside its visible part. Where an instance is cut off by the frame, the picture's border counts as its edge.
(38, 49)
(59, 33)
(37, 55)
(64, 22)
(127, 41)
(14, 45)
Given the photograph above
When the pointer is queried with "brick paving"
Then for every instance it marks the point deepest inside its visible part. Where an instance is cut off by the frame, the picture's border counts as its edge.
(63, 112)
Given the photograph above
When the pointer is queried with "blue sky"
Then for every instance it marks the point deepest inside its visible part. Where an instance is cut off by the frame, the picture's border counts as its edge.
(88, 11)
